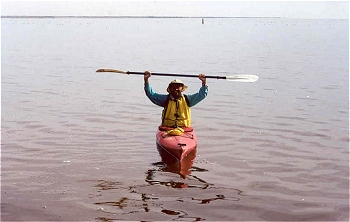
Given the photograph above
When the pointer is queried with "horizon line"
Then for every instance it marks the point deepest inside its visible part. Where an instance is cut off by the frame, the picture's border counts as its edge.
(127, 16)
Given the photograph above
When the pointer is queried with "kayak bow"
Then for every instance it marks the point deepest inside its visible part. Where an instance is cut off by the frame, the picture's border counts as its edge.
(178, 146)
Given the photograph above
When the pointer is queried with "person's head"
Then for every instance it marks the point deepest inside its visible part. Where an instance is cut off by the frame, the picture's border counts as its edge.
(176, 87)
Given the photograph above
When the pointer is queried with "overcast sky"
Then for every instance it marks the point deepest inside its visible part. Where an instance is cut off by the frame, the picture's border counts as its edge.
(285, 9)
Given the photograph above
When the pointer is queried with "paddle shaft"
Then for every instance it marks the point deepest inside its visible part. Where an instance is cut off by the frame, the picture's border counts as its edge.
(177, 75)
(234, 78)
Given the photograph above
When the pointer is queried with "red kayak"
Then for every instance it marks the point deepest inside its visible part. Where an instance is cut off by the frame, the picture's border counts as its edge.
(178, 146)
(183, 168)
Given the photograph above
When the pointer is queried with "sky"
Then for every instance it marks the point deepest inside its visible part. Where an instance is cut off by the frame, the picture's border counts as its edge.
(284, 9)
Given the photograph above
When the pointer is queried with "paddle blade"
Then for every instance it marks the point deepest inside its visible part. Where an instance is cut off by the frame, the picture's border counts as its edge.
(242, 78)
(111, 70)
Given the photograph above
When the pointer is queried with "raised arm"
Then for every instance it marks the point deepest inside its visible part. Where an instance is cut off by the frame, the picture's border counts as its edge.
(158, 99)
(199, 96)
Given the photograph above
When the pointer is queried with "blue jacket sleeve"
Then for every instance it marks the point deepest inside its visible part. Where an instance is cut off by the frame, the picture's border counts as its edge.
(158, 99)
(197, 97)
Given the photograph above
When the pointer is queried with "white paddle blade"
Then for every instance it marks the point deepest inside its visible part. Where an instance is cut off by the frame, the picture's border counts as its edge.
(242, 78)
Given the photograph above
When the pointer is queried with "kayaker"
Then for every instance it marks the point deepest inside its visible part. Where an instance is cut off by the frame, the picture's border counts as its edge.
(176, 112)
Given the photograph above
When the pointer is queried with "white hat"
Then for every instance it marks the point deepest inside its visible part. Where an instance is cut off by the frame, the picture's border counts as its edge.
(177, 81)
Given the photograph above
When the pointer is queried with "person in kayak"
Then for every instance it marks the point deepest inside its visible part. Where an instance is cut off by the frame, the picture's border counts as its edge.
(176, 112)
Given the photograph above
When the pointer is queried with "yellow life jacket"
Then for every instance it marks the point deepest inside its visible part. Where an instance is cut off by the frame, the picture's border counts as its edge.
(176, 113)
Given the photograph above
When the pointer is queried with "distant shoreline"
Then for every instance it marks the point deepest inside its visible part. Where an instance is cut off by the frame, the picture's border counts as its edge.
(89, 16)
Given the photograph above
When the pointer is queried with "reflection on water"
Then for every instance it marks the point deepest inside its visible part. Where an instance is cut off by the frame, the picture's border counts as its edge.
(131, 201)
(108, 185)
(183, 168)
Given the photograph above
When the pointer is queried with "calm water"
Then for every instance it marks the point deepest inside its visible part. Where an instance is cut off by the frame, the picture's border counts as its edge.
(80, 145)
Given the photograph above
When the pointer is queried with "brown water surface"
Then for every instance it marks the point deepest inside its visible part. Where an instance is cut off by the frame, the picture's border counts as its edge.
(79, 145)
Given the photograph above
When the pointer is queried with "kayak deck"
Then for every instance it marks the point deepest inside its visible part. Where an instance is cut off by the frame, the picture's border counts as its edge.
(177, 146)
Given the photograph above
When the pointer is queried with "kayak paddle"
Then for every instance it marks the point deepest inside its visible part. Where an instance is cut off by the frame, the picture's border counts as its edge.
(234, 78)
